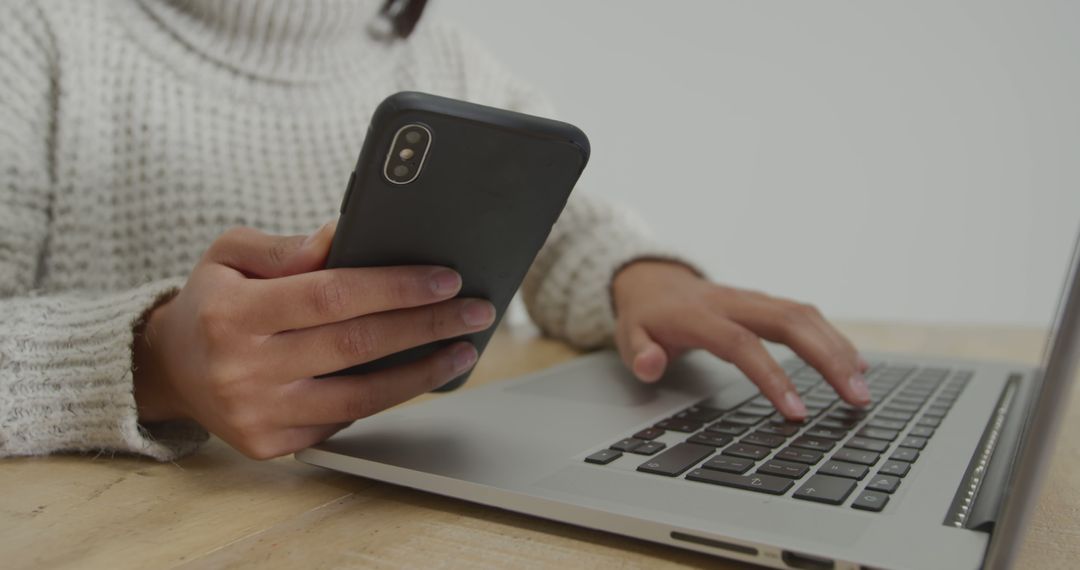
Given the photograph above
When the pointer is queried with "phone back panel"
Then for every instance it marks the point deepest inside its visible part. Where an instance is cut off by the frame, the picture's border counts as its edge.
(490, 189)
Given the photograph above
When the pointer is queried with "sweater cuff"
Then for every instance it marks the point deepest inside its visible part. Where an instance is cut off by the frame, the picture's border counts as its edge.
(577, 289)
(66, 368)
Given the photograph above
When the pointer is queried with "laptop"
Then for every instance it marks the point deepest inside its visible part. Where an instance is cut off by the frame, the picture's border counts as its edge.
(941, 472)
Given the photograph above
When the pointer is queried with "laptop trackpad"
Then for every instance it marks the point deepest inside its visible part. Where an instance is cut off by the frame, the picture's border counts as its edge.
(607, 381)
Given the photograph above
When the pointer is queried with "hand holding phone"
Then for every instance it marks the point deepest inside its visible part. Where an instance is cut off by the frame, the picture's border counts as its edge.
(237, 349)
(451, 183)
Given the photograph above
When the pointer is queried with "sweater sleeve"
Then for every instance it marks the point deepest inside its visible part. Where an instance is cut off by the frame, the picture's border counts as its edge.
(567, 290)
(66, 377)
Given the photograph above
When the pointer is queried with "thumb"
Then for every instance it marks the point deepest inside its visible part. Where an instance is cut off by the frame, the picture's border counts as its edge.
(260, 255)
(643, 356)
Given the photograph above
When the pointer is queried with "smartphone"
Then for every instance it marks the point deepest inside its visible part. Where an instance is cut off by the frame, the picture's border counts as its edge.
(451, 183)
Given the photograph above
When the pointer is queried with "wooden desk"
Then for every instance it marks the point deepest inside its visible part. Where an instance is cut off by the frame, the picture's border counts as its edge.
(217, 508)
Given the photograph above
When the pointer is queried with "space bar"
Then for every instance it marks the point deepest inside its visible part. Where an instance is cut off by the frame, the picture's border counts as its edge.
(756, 482)
(677, 459)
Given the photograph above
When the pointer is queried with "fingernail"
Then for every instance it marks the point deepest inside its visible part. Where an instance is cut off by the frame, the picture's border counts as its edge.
(858, 387)
(794, 405)
(464, 357)
(478, 313)
(445, 282)
(863, 363)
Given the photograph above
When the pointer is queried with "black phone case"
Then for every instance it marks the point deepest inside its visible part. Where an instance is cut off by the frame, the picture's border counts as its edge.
(490, 189)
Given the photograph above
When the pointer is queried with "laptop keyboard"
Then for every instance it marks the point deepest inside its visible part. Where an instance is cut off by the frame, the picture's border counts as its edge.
(839, 452)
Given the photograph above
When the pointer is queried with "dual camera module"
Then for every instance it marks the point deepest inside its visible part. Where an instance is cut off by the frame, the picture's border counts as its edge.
(407, 153)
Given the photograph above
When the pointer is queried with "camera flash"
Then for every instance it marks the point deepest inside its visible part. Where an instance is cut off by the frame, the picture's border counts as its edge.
(406, 153)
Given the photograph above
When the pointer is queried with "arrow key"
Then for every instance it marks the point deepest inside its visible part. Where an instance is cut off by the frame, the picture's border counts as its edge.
(870, 501)
(825, 489)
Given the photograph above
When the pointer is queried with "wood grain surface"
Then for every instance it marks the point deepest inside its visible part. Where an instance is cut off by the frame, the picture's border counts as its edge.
(218, 509)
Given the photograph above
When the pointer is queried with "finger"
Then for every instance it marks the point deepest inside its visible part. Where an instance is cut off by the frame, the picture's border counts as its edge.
(264, 256)
(349, 398)
(333, 295)
(795, 325)
(641, 354)
(741, 347)
(327, 348)
(838, 337)
(287, 440)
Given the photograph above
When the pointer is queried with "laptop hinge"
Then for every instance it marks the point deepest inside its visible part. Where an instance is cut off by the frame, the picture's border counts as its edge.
(979, 497)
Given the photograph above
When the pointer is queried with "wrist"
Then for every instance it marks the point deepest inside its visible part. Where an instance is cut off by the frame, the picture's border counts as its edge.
(154, 399)
(646, 275)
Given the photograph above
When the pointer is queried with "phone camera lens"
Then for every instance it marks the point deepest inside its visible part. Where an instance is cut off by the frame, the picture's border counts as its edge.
(413, 137)
(401, 171)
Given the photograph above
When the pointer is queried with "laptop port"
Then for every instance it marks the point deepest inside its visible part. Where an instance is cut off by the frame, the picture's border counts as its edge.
(806, 561)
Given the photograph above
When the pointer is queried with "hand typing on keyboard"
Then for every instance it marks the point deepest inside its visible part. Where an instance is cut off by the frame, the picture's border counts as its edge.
(664, 309)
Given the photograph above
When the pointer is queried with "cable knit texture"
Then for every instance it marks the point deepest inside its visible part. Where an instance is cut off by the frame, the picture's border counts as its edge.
(133, 133)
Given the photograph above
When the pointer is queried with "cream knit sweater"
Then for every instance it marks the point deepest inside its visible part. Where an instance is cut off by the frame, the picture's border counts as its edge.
(132, 133)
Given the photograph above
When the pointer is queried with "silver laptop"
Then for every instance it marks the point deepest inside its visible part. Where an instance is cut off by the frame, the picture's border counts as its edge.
(942, 472)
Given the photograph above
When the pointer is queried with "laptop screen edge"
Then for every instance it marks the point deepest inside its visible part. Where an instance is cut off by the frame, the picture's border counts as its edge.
(1045, 415)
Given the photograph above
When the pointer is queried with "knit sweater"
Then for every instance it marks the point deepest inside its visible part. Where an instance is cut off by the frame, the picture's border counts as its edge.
(134, 132)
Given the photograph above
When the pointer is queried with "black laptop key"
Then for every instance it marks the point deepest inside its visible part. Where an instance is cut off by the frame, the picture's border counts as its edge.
(900, 407)
(806, 456)
(604, 456)
(727, 429)
(649, 433)
(843, 469)
(814, 443)
(872, 501)
(627, 444)
(742, 420)
(883, 483)
(764, 439)
(913, 442)
(648, 448)
(867, 444)
(825, 489)
(859, 456)
(895, 415)
(730, 464)
(905, 454)
(825, 433)
(928, 421)
(676, 459)
(759, 411)
(699, 414)
(882, 423)
(875, 433)
(846, 418)
(898, 468)
(830, 423)
(921, 431)
(937, 411)
(748, 451)
(760, 483)
(782, 468)
(784, 429)
(685, 426)
(713, 439)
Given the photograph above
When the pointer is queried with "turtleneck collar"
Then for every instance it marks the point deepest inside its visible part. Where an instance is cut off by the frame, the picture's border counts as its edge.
(285, 40)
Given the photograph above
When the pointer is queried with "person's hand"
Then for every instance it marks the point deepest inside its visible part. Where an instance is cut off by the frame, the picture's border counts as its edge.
(238, 347)
(664, 309)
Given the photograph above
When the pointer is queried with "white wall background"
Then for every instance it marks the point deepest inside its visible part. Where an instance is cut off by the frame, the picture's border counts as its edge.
(915, 160)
